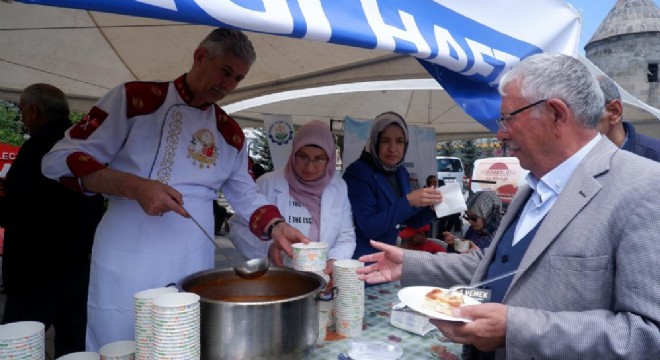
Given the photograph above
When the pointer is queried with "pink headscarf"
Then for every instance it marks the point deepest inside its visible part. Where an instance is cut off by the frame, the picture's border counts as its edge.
(308, 193)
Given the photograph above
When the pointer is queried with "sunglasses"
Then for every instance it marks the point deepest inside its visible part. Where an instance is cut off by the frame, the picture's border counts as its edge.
(470, 217)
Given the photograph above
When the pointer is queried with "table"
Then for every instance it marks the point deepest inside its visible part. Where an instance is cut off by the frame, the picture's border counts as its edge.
(378, 303)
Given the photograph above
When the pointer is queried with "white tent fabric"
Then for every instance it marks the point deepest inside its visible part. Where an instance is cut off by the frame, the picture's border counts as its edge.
(86, 53)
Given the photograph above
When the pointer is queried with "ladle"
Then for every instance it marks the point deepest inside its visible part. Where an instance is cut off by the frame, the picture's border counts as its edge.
(205, 233)
(252, 268)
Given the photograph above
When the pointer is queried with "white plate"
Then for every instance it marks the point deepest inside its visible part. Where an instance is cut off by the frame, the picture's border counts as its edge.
(413, 297)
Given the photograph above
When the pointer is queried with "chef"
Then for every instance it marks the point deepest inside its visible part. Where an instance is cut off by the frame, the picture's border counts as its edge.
(159, 151)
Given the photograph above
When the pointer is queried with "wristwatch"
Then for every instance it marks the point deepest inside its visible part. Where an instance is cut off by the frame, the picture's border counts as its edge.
(269, 231)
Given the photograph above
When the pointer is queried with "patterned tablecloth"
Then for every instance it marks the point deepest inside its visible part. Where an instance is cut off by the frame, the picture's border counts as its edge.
(378, 304)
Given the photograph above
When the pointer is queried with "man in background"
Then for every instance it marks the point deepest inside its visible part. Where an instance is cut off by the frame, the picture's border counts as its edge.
(49, 230)
(622, 133)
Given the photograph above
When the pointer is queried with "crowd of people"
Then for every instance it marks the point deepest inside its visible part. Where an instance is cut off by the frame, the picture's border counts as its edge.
(577, 236)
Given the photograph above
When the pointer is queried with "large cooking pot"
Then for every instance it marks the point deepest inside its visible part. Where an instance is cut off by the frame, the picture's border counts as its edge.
(274, 316)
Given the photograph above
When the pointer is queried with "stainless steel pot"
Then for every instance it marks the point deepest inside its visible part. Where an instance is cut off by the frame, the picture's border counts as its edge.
(274, 316)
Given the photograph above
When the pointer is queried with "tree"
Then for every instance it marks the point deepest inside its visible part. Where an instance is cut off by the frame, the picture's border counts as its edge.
(470, 153)
(12, 130)
(260, 150)
(448, 148)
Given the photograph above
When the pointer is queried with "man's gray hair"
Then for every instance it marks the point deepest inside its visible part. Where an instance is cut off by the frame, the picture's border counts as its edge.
(49, 100)
(609, 88)
(223, 41)
(558, 76)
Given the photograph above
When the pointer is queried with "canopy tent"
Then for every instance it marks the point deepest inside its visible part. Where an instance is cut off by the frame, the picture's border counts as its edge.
(86, 53)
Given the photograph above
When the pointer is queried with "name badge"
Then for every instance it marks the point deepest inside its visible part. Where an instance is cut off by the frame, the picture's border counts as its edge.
(481, 295)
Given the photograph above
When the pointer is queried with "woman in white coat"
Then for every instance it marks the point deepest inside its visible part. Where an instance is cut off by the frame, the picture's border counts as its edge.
(309, 195)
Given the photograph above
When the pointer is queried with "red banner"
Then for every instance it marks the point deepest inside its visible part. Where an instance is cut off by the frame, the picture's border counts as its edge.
(7, 156)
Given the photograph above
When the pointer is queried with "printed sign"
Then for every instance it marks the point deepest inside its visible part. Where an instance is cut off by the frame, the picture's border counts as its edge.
(7, 156)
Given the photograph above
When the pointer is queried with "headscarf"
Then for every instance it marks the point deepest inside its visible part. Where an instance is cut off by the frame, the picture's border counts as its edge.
(308, 193)
(488, 206)
(371, 148)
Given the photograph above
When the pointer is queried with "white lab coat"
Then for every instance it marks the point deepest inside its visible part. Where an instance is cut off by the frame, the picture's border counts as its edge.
(336, 226)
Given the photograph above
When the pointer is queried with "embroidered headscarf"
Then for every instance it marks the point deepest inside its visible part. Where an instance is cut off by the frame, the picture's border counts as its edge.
(308, 193)
(371, 148)
(488, 206)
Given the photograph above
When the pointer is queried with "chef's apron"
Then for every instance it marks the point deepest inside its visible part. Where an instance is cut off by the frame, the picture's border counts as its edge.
(134, 251)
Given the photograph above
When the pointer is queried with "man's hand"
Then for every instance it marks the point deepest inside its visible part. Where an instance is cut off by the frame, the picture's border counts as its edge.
(283, 236)
(486, 332)
(387, 267)
(155, 197)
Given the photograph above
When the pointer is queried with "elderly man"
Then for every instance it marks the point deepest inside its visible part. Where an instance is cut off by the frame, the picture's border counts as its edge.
(160, 151)
(622, 133)
(581, 235)
(49, 229)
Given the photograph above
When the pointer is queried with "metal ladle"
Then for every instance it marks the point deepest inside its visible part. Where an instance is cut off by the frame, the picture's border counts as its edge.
(205, 233)
(252, 268)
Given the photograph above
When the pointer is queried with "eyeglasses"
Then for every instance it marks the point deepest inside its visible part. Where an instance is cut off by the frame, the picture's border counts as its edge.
(472, 218)
(315, 161)
(506, 117)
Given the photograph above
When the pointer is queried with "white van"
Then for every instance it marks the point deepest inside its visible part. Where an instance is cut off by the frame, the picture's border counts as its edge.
(501, 174)
(450, 169)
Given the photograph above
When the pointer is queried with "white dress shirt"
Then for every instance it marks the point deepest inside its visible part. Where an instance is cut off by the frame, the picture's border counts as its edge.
(547, 190)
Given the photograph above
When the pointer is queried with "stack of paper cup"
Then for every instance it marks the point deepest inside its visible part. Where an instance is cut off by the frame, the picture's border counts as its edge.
(23, 340)
(349, 303)
(118, 350)
(175, 326)
(313, 257)
(328, 306)
(83, 355)
(143, 301)
(323, 325)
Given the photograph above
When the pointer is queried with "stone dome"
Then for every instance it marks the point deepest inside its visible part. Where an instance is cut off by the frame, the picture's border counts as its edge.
(628, 17)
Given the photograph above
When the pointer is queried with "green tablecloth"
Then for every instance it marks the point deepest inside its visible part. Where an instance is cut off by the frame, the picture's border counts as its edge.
(378, 303)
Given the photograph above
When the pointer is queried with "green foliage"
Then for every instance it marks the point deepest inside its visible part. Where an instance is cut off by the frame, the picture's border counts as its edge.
(448, 148)
(469, 151)
(260, 150)
(75, 117)
(12, 130)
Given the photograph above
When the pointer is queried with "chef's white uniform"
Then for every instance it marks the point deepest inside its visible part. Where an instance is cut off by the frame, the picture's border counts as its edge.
(148, 129)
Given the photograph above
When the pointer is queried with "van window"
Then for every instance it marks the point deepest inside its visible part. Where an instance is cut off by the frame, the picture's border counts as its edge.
(449, 165)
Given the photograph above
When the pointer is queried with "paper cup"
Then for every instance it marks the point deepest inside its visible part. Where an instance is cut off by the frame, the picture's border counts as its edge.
(119, 350)
(349, 328)
(84, 355)
(17, 331)
(310, 257)
(461, 246)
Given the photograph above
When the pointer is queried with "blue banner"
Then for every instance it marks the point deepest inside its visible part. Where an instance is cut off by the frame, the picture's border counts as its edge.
(465, 46)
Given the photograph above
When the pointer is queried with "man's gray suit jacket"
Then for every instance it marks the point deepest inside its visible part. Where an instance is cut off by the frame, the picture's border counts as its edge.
(588, 286)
